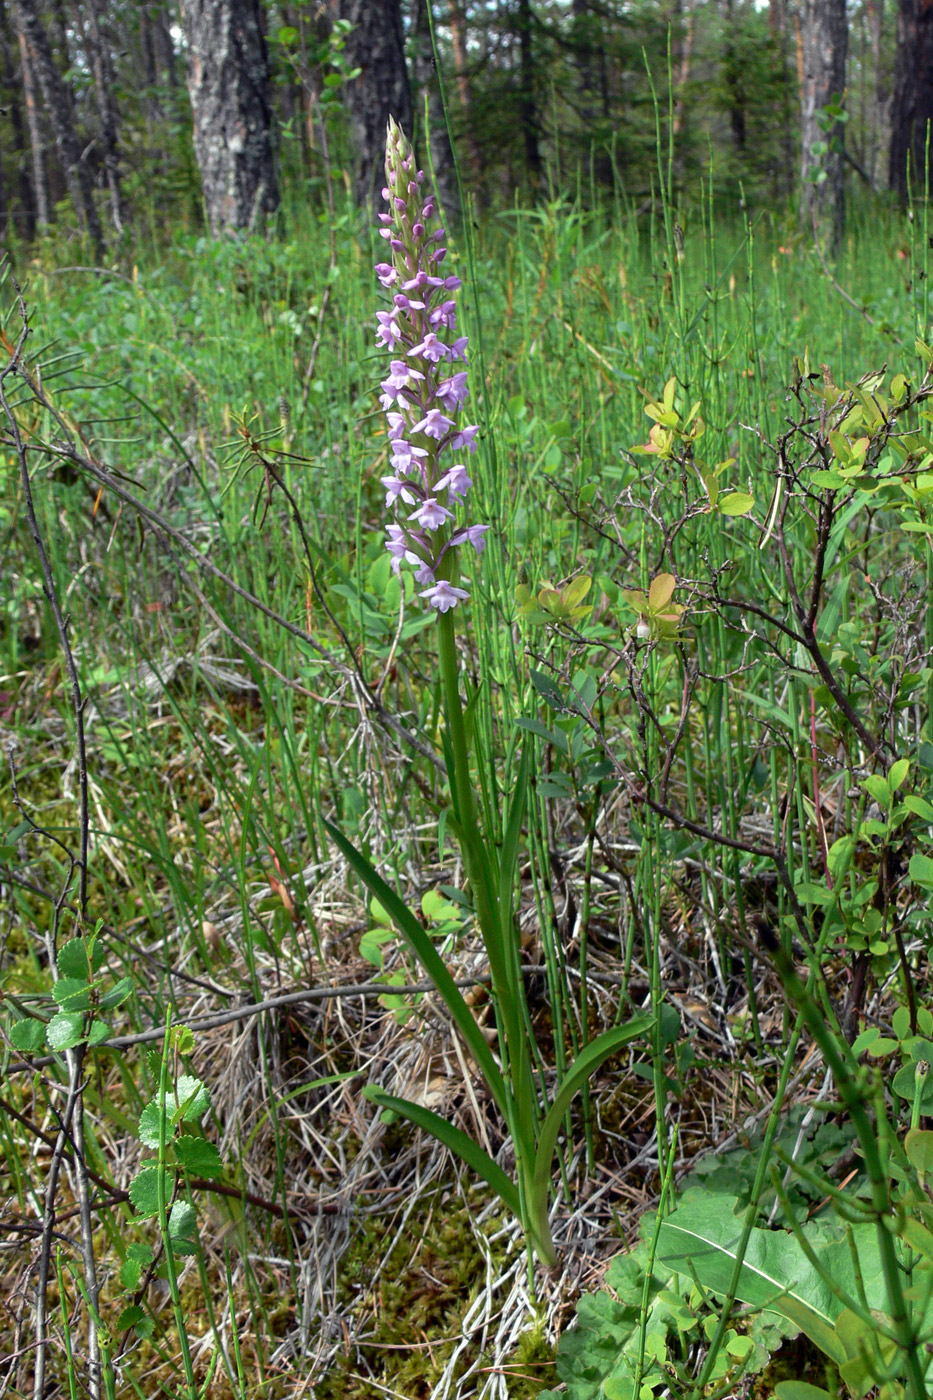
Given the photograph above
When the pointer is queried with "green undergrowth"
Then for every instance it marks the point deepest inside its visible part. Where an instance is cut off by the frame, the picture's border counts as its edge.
(212, 375)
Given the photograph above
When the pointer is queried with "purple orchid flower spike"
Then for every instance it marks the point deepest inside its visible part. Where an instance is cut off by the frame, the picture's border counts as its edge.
(424, 391)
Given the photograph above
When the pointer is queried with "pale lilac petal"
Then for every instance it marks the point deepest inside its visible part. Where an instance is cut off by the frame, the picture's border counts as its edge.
(475, 534)
(434, 424)
(444, 596)
(456, 483)
(431, 515)
(466, 438)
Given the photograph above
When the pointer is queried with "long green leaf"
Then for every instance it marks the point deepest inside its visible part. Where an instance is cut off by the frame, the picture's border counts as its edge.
(508, 857)
(587, 1062)
(700, 1239)
(456, 1140)
(429, 958)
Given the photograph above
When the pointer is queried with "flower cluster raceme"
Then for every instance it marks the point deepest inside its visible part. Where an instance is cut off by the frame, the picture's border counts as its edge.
(425, 389)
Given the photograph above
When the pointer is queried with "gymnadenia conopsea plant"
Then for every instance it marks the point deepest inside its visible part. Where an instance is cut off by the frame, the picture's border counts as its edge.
(423, 395)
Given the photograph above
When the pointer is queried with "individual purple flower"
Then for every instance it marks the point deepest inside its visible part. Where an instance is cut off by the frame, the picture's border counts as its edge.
(433, 349)
(466, 438)
(388, 332)
(398, 488)
(456, 483)
(421, 396)
(476, 534)
(400, 376)
(431, 515)
(434, 424)
(444, 596)
(454, 390)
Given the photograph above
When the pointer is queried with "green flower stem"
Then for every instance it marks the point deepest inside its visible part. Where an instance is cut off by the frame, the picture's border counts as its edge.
(491, 895)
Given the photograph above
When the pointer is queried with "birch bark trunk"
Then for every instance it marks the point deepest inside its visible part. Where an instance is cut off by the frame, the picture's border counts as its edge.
(823, 47)
(228, 83)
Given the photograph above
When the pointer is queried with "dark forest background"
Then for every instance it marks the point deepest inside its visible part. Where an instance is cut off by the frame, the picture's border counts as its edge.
(156, 113)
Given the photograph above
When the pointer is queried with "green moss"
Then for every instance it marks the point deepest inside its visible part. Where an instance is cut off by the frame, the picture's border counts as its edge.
(412, 1305)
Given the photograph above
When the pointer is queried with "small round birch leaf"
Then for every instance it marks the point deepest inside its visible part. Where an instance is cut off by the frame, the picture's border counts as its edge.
(660, 592)
(736, 503)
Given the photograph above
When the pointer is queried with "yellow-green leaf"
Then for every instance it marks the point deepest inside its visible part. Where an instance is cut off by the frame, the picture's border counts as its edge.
(659, 594)
(736, 503)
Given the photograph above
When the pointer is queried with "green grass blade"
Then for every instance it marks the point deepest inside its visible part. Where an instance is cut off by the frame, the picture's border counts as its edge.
(429, 958)
(456, 1140)
(586, 1064)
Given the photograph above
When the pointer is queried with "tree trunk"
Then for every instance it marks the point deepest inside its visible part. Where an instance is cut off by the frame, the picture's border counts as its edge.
(59, 106)
(98, 52)
(823, 45)
(21, 143)
(228, 82)
(40, 184)
(912, 107)
(880, 94)
(456, 20)
(375, 45)
(529, 107)
(426, 78)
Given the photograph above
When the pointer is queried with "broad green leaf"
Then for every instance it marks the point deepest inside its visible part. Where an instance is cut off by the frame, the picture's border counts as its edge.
(897, 773)
(148, 1129)
(118, 993)
(905, 1084)
(921, 870)
(371, 944)
(134, 1317)
(72, 959)
(577, 590)
(437, 909)
(144, 1190)
(552, 736)
(917, 1236)
(182, 1221)
(736, 503)
(661, 591)
(27, 1035)
(548, 690)
(191, 1101)
(800, 1390)
(919, 806)
(378, 914)
(918, 1145)
(138, 1257)
(65, 1030)
(584, 1066)
(701, 1239)
(456, 1140)
(879, 789)
(867, 1350)
(429, 958)
(198, 1157)
(72, 993)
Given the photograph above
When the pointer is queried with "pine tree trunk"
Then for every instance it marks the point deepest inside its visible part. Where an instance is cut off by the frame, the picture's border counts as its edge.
(529, 105)
(59, 106)
(375, 45)
(457, 24)
(99, 54)
(40, 184)
(228, 82)
(426, 78)
(912, 106)
(21, 144)
(823, 47)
